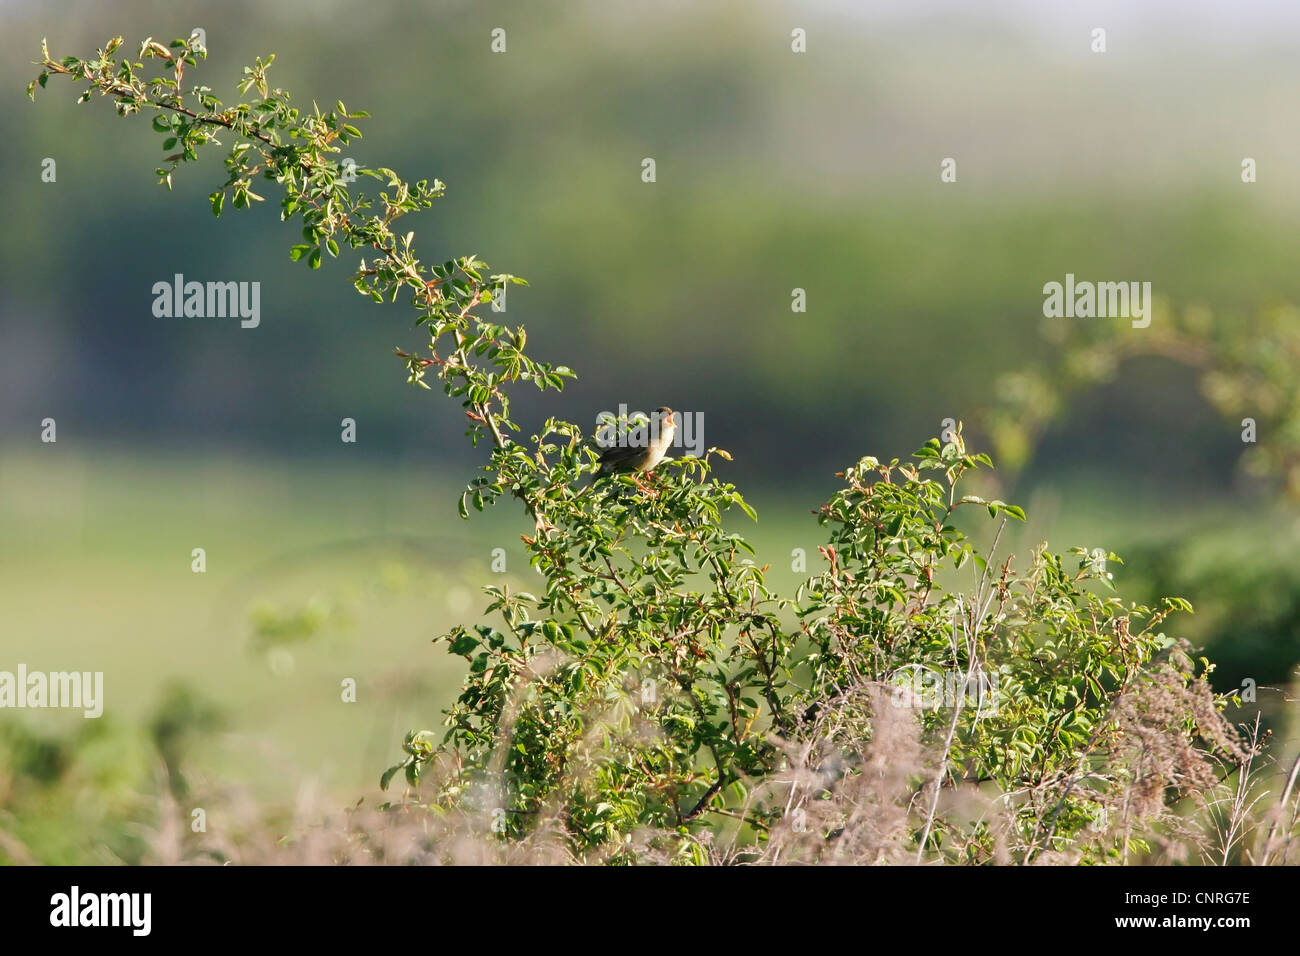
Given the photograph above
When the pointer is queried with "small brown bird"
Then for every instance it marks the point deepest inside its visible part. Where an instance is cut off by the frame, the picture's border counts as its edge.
(642, 457)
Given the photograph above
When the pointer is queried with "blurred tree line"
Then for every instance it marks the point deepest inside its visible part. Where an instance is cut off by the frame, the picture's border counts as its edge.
(775, 171)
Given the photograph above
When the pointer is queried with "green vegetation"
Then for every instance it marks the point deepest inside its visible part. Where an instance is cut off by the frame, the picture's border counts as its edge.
(656, 699)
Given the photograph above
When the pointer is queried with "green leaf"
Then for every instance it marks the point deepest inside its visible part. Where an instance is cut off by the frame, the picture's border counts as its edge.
(462, 645)
(391, 772)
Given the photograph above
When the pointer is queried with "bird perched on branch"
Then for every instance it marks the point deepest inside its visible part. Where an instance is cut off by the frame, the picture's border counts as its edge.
(641, 457)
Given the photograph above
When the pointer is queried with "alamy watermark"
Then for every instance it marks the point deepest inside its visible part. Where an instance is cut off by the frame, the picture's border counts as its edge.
(211, 300)
(129, 910)
(1104, 300)
(58, 689)
(923, 688)
(639, 430)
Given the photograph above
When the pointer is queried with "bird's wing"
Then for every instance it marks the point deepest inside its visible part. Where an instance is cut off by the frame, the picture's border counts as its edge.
(619, 456)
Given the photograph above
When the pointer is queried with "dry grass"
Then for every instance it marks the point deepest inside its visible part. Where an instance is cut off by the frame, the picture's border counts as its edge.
(1160, 801)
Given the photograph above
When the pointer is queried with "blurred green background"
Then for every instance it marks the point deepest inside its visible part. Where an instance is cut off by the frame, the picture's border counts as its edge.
(819, 171)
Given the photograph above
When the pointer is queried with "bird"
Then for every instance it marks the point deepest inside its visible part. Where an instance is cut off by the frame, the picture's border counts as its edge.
(642, 458)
